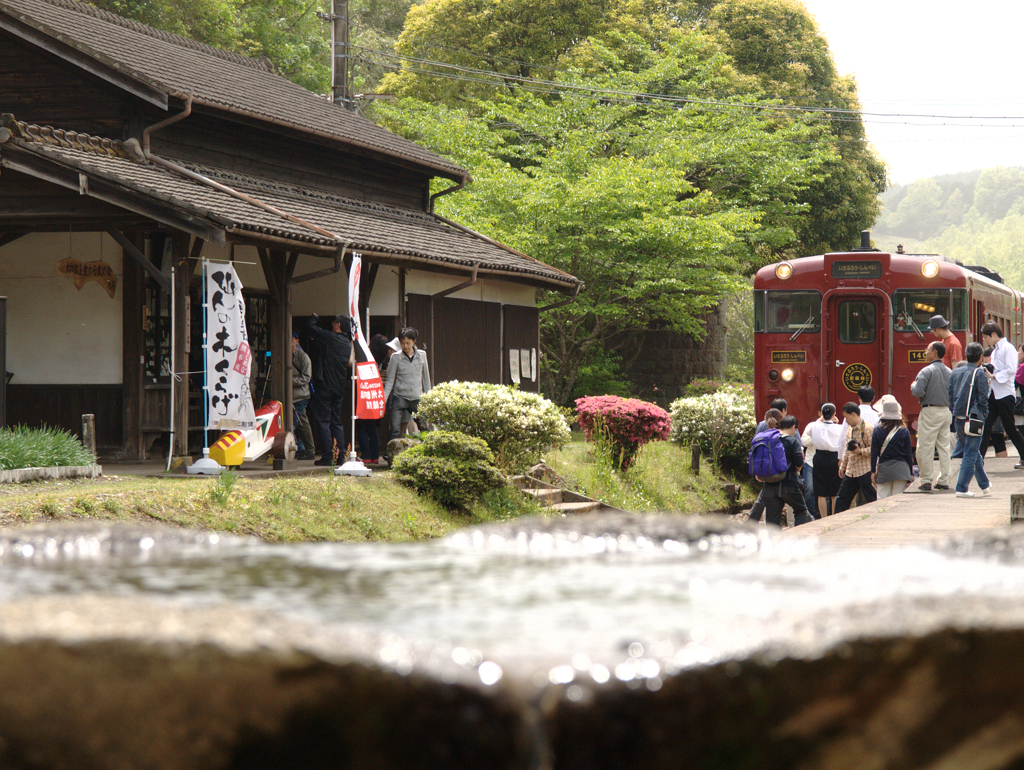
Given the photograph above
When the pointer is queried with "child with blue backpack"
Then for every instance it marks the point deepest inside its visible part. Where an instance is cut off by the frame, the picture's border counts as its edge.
(790, 489)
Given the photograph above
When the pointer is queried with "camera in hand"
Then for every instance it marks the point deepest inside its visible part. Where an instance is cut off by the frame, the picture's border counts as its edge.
(852, 445)
(991, 368)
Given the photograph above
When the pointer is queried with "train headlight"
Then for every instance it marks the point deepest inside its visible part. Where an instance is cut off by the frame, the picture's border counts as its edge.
(784, 271)
(930, 269)
(788, 375)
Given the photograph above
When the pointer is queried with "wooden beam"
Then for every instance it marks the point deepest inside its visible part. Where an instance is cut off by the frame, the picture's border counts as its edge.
(369, 277)
(10, 238)
(148, 206)
(132, 250)
(268, 272)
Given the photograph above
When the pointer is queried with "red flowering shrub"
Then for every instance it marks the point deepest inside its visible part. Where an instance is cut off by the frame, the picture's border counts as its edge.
(625, 423)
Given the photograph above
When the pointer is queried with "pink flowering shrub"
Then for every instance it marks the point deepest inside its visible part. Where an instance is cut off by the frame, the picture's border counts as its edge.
(626, 424)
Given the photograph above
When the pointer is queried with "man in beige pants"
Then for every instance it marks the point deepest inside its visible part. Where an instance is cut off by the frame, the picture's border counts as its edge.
(931, 388)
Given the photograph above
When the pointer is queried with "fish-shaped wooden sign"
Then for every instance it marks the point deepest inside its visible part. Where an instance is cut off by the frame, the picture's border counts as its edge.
(83, 272)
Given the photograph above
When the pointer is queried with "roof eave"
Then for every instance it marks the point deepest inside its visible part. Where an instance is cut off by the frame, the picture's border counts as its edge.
(80, 55)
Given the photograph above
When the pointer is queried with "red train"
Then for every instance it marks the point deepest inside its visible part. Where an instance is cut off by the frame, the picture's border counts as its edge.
(826, 325)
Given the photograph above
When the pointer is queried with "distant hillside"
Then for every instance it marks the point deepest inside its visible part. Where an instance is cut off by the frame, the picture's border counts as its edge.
(976, 217)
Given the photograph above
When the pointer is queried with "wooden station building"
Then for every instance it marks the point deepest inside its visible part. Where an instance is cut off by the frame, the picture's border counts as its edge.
(126, 151)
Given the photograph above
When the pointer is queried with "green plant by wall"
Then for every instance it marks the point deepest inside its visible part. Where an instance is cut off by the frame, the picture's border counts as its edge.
(518, 427)
(451, 467)
(22, 447)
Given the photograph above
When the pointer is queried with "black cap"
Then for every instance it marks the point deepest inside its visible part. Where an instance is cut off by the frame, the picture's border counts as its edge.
(937, 322)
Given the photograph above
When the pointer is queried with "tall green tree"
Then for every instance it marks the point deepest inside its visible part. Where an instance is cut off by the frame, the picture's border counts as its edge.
(653, 205)
(777, 43)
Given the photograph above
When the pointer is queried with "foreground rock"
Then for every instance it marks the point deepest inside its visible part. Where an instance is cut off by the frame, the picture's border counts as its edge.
(611, 642)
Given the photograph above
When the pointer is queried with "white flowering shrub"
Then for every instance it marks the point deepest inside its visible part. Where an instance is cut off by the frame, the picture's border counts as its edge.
(518, 427)
(721, 424)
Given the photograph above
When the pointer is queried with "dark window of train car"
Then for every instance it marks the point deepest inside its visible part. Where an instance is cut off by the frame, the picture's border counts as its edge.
(915, 307)
(787, 311)
(856, 322)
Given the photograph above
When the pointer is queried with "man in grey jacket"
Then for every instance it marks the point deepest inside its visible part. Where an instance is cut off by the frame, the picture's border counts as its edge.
(931, 388)
(408, 378)
(302, 372)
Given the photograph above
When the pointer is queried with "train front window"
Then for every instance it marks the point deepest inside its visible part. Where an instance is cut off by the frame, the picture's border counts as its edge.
(913, 308)
(856, 322)
(787, 311)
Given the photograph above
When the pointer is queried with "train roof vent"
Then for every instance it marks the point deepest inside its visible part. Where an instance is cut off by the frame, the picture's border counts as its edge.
(985, 272)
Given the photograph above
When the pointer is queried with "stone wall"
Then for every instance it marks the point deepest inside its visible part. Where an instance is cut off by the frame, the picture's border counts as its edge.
(668, 360)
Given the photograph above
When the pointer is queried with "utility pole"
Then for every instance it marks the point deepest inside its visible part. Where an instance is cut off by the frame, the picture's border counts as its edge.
(341, 89)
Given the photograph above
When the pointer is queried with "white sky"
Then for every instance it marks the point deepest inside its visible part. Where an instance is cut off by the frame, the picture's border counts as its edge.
(916, 58)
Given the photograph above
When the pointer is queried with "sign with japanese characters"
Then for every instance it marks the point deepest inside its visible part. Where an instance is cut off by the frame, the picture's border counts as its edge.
(228, 356)
(369, 388)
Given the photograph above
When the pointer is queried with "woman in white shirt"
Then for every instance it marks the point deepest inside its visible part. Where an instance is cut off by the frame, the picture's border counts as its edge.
(826, 436)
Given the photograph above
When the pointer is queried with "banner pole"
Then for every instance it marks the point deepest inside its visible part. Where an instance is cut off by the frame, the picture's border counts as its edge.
(205, 466)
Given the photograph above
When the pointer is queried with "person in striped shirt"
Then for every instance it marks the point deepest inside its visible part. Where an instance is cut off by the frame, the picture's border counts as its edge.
(855, 467)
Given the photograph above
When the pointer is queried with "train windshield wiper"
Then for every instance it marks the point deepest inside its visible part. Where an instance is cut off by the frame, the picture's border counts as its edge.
(910, 319)
(805, 325)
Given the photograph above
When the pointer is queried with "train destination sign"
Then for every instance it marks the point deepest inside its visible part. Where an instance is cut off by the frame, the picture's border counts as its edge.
(916, 357)
(861, 269)
(789, 357)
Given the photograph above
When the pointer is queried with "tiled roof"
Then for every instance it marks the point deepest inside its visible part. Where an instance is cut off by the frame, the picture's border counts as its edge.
(369, 227)
(179, 67)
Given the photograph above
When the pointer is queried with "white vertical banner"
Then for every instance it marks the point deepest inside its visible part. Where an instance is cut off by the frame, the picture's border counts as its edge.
(228, 356)
(370, 396)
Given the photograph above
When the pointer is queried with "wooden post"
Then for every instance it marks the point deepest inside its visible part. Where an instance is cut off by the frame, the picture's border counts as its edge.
(179, 385)
(275, 272)
(133, 299)
(1017, 509)
(695, 460)
(89, 434)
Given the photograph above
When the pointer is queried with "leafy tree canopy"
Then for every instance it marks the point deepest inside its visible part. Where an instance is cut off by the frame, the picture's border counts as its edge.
(658, 208)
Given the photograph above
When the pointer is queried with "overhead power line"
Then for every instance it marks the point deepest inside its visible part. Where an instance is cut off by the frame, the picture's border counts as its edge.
(491, 78)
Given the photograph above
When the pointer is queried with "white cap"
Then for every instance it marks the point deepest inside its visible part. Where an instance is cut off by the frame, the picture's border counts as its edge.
(395, 345)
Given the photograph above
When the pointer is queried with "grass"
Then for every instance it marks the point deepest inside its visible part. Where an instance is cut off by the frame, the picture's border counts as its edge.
(285, 509)
(341, 508)
(660, 480)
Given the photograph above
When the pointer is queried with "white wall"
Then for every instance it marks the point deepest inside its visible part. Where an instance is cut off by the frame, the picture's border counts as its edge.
(330, 294)
(57, 334)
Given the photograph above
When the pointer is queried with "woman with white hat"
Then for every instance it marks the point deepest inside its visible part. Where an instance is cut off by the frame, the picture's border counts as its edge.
(892, 457)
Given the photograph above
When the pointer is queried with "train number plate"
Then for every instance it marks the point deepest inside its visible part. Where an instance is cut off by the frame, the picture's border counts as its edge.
(916, 356)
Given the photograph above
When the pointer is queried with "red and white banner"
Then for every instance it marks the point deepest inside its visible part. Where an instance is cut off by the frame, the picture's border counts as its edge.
(369, 389)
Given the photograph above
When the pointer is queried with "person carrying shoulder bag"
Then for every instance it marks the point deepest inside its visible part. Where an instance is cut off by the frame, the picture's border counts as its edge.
(969, 400)
(892, 457)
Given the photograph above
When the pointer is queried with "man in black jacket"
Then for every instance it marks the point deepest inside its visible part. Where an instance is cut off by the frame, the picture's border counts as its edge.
(330, 379)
